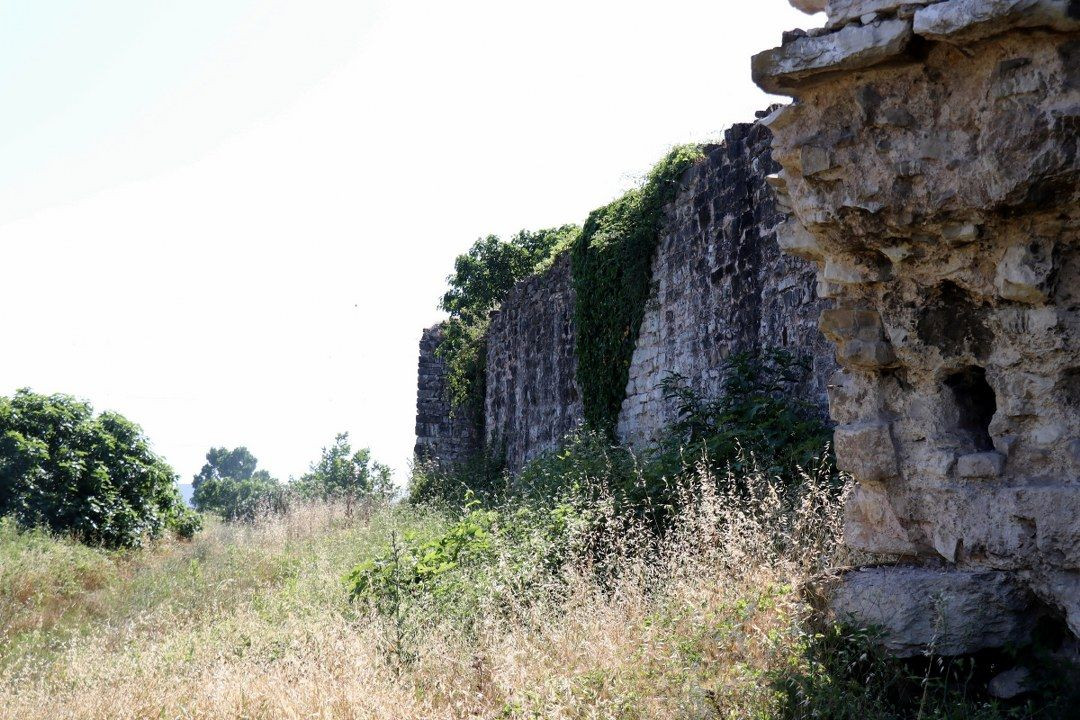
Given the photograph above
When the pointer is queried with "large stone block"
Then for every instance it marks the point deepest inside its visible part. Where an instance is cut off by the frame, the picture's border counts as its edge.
(866, 450)
(971, 20)
(841, 12)
(950, 612)
(871, 524)
(785, 68)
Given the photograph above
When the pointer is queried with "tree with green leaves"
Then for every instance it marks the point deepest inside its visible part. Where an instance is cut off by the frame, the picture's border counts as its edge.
(94, 477)
(231, 485)
(482, 278)
(342, 474)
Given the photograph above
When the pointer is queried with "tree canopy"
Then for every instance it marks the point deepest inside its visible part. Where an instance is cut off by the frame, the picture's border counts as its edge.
(231, 485)
(94, 477)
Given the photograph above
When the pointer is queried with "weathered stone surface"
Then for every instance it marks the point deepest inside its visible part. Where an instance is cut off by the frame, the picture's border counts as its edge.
(943, 195)
(871, 524)
(971, 20)
(1025, 272)
(721, 285)
(1011, 683)
(841, 12)
(788, 67)
(533, 399)
(980, 465)
(866, 451)
(953, 612)
(809, 6)
(441, 435)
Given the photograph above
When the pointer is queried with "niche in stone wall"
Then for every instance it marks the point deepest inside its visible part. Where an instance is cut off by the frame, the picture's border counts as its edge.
(974, 404)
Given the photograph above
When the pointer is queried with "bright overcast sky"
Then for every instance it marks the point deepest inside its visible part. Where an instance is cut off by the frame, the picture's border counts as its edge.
(229, 220)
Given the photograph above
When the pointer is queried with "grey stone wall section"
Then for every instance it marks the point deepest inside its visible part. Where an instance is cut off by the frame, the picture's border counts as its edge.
(936, 185)
(720, 285)
(533, 399)
(441, 436)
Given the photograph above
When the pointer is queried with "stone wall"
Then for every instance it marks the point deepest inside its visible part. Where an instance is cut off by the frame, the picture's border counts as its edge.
(930, 160)
(720, 285)
(440, 434)
(532, 395)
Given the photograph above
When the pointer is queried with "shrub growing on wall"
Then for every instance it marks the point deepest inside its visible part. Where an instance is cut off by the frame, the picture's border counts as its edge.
(482, 278)
(93, 477)
(612, 268)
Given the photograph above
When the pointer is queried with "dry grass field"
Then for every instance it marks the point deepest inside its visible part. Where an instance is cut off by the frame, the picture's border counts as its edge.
(255, 621)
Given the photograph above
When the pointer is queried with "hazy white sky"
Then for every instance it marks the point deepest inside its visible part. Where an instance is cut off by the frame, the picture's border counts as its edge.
(229, 220)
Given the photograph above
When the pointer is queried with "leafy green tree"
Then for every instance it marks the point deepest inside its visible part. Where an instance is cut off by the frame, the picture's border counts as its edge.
(93, 477)
(229, 484)
(487, 272)
(342, 474)
(238, 464)
(482, 278)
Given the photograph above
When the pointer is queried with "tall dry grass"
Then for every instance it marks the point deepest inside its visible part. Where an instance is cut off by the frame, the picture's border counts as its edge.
(253, 621)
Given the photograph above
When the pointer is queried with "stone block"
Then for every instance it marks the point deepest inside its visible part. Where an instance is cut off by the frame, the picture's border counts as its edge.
(866, 354)
(1062, 590)
(950, 612)
(794, 239)
(866, 451)
(843, 324)
(785, 68)
(971, 20)
(871, 524)
(980, 465)
(841, 12)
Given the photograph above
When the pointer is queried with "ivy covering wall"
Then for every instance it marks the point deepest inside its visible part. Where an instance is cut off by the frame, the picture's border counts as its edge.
(611, 261)
(612, 268)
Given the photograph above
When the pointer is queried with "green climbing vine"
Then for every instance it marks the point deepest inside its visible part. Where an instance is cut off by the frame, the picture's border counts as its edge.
(612, 269)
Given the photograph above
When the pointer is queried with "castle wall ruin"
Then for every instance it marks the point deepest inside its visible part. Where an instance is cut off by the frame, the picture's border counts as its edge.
(930, 163)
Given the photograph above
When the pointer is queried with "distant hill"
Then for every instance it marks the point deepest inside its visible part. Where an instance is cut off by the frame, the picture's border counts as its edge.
(186, 491)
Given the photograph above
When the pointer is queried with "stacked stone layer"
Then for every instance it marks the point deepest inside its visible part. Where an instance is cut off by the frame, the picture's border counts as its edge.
(930, 163)
(441, 435)
(721, 286)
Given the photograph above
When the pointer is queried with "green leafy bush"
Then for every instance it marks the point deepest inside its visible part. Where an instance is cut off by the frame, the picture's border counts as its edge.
(343, 474)
(444, 485)
(230, 485)
(612, 268)
(92, 477)
(758, 414)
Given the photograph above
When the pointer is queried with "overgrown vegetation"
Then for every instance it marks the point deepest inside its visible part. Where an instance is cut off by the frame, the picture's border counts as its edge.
(568, 608)
(481, 280)
(342, 474)
(230, 485)
(758, 418)
(94, 477)
(612, 266)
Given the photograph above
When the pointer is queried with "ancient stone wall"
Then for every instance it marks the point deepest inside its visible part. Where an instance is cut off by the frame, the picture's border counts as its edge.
(441, 435)
(720, 285)
(930, 161)
(532, 395)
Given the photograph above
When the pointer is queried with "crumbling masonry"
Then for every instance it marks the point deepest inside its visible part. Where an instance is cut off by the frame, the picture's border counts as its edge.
(930, 169)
